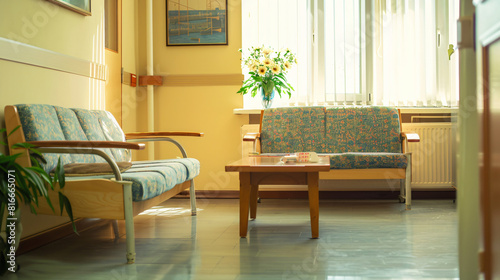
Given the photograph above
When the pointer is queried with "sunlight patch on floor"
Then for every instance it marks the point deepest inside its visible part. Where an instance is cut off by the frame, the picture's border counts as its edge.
(168, 211)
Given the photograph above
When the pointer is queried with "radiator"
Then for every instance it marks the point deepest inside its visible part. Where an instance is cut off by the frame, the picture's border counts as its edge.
(432, 157)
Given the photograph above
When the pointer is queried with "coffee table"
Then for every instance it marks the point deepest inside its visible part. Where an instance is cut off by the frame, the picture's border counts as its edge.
(268, 170)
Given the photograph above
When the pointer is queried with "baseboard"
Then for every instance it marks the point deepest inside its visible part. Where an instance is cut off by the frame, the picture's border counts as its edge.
(358, 194)
(45, 237)
(325, 194)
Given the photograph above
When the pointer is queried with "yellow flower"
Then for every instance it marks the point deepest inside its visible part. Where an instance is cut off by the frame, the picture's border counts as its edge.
(267, 51)
(262, 70)
(276, 69)
(267, 62)
(253, 67)
(288, 65)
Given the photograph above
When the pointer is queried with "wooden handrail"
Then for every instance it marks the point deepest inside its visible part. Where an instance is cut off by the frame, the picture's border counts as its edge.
(251, 136)
(87, 144)
(411, 136)
(145, 135)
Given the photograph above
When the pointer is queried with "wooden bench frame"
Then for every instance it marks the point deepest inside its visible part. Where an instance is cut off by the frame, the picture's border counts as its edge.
(403, 174)
(101, 198)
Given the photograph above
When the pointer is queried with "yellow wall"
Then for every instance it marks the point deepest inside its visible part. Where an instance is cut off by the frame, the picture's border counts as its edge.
(48, 26)
(207, 109)
(131, 97)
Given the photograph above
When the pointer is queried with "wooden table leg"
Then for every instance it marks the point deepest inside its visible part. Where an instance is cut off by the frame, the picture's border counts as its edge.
(244, 201)
(312, 182)
(254, 193)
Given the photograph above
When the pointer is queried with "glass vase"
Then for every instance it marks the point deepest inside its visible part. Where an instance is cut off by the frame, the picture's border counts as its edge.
(267, 98)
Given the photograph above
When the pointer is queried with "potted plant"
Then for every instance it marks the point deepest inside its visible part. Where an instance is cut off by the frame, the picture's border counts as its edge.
(267, 69)
(26, 185)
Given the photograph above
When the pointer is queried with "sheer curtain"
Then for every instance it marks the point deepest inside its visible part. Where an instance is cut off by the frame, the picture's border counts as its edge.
(378, 52)
(344, 51)
(410, 53)
(280, 24)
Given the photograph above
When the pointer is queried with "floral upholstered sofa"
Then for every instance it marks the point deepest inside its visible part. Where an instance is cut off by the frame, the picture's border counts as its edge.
(101, 180)
(362, 142)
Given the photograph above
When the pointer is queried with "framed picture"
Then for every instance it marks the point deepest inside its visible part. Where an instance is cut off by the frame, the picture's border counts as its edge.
(79, 6)
(196, 22)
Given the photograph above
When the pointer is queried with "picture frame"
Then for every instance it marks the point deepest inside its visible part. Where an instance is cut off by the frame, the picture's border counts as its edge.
(196, 22)
(82, 7)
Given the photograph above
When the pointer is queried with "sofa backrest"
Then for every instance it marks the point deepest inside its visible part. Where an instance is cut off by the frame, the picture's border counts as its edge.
(362, 129)
(293, 129)
(46, 122)
(330, 130)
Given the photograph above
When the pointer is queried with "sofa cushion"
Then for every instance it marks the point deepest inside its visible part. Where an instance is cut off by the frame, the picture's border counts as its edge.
(362, 129)
(367, 160)
(40, 123)
(152, 178)
(73, 131)
(191, 165)
(92, 169)
(89, 122)
(113, 132)
(293, 129)
(150, 183)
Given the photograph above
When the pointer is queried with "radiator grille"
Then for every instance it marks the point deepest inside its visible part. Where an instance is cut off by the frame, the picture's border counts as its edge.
(432, 157)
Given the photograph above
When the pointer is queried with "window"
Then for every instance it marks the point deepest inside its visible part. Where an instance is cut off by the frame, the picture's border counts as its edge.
(280, 24)
(380, 52)
(341, 50)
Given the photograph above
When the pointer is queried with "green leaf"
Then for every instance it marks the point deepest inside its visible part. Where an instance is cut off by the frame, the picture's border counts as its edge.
(69, 210)
(59, 174)
(50, 204)
(23, 145)
(3, 261)
(32, 208)
(22, 188)
(36, 179)
(61, 202)
(10, 159)
(14, 130)
(2, 211)
(36, 158)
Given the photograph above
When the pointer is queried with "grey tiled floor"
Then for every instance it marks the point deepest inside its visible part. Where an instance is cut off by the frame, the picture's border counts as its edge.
(358, 240)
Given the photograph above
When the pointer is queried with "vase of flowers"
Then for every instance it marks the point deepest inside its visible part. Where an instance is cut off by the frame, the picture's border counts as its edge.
(267, 69)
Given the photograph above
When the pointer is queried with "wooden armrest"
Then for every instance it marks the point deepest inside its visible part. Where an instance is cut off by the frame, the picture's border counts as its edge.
(146, 135)
(410, 136)
(252, 136)
(87, 144)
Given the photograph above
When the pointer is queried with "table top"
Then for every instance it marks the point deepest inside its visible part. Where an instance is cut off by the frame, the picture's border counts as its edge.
(274, 164)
